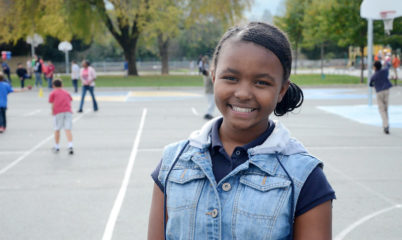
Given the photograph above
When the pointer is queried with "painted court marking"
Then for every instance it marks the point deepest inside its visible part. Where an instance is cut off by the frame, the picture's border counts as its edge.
(33, 149)
(32, 113)
(367, 114)
(195, 112)
(107, 235)
(138, 96)
(364, 219)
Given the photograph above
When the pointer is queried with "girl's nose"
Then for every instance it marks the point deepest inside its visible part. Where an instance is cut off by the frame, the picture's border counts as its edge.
(243, 92)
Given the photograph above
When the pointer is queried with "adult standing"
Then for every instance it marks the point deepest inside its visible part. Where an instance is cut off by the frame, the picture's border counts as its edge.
(382, 85)
(209, 88)
(38, 72)
(75, 75)
(396, 62)
(88, 76)
(49, 73)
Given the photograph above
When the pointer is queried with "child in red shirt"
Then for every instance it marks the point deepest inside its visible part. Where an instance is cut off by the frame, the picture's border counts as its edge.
(63, 117)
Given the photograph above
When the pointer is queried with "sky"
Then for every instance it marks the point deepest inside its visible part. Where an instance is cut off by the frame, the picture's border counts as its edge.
(258, 7)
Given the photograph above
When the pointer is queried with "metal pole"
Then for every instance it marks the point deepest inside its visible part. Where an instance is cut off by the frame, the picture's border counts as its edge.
(32, 49)
(66, 53)
(369, 58)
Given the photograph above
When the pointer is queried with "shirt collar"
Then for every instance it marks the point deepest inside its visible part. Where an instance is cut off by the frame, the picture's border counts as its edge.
(216, 142)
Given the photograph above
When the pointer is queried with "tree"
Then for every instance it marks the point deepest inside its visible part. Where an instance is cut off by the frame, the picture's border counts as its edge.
(65, 19)
(165, 23)
(46, 17)
(170, 17)
(126, 20)
(316, 26)
(348, 28)
(292, 24)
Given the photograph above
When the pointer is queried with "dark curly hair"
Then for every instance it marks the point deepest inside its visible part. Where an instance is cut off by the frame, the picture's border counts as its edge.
(276, 41)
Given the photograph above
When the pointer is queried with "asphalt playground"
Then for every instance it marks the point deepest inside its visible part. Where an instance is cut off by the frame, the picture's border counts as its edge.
(104, 190)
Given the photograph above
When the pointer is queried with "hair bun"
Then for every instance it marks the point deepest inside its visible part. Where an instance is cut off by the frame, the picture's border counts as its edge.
(293, 99)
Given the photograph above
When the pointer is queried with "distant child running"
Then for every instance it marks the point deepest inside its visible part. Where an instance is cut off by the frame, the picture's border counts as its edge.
(381, 83)
(63, 116)
(243, 176)
(5, 89)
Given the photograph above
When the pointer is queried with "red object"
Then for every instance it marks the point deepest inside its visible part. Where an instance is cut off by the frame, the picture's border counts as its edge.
(61, 100)
(29, 87)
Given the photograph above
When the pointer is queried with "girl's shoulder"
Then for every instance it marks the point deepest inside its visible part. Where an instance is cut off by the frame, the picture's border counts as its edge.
(300, 165)
(171, 153)
(173, 150)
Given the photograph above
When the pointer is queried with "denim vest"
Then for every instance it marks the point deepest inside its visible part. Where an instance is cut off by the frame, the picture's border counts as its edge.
(252, 202)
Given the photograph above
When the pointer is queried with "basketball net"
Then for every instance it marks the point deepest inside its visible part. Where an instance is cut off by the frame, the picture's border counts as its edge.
(388, 19)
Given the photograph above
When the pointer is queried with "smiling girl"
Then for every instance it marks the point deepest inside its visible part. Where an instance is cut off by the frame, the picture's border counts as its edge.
(242, 176)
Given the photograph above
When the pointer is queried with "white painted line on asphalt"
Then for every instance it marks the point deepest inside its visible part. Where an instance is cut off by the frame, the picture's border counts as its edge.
(11, 152)
(107, 235)
(32, 113)
(128, 96)
(362, 220)
(382, 196)
(27, 153)
(15, 162)
(195, 112)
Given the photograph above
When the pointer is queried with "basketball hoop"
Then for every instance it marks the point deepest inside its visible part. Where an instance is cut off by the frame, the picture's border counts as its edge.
(388, 18)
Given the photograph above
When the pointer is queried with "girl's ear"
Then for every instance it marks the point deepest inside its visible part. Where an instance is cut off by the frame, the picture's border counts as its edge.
(283, 90)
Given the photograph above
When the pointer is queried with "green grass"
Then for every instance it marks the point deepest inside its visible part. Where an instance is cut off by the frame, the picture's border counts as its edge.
(145, 81)
(196, 80)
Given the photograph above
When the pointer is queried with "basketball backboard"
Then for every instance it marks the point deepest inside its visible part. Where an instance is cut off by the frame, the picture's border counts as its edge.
(374, 9)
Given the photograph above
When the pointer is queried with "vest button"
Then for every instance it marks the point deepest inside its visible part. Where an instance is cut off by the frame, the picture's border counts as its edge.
(214, 213)
(226, 187)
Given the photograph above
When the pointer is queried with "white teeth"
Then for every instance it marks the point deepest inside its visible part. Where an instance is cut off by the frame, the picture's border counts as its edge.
(239, 109)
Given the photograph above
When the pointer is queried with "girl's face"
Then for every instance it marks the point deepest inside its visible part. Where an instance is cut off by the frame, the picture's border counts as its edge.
(84, 64)
(248, 83)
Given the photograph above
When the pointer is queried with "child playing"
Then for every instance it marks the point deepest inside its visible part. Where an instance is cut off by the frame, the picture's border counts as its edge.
(382, 87)
(5, 89)
(61, 109)
(242, 176)
(22, 74)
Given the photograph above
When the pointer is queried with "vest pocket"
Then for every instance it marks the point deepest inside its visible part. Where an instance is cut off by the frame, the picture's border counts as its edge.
(183, 188)
(259, 201)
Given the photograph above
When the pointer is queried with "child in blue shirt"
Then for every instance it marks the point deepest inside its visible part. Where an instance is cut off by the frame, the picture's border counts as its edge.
(243, 176)
(5, 89)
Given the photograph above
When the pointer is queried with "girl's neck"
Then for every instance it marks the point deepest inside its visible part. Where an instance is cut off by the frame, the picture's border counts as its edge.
(231, 138)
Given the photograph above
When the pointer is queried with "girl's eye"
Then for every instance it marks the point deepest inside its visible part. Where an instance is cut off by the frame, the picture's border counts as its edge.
(230, 78)
(262, 83)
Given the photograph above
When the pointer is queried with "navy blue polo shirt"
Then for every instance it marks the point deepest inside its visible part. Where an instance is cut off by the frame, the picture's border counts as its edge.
(316, 189)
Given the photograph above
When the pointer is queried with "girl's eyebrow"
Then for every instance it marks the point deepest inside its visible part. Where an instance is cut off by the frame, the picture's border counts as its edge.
(265, 75)
(259, 75)
(230, 70)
